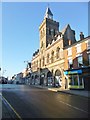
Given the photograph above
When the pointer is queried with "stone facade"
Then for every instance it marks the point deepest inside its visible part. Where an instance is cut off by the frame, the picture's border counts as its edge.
(48, 61)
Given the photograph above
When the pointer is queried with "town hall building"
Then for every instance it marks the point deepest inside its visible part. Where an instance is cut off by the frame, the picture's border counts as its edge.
(48, 64)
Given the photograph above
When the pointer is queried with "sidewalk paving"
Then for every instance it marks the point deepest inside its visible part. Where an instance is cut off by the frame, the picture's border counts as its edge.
(67, 91)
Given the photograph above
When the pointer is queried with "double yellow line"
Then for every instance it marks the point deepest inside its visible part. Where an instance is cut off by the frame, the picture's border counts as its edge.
(19, 117)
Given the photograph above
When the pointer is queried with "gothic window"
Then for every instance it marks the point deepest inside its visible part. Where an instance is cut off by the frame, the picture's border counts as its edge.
(43, 31)
(41, 44)
(41, 34)
(43, 61)
(52, 57)
(57, 52)
(54, 32)
(37, 63)
(40, 63)
(49, 31)
(47, 58)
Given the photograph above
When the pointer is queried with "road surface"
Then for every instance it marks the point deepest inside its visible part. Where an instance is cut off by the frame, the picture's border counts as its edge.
(31, 102)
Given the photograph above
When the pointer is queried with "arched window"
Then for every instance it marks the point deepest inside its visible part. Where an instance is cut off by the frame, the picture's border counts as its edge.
(41, 34)
(52, 56)
(41, 44)
(40, 63)
(49, 31)
(54, 32)
(43, 61)
(57, 52)
(47, 58)
(43, 31)
(37, 63)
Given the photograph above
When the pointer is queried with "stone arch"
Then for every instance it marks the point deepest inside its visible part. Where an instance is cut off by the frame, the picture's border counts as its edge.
(49, 74)
(36, 81)
(50, 79)
(57, 72)
(58, 81)
(36, 76)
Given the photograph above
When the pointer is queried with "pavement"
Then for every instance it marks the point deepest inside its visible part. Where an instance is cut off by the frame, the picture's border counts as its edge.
(66, 91)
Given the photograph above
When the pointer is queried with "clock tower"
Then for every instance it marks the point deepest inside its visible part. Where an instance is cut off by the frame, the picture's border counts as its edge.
(47, 29)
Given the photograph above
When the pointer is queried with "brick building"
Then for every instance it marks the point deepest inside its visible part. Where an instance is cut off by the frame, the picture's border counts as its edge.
(77, 63)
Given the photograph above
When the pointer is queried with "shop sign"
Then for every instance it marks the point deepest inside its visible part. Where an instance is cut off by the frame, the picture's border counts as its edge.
(73, 72)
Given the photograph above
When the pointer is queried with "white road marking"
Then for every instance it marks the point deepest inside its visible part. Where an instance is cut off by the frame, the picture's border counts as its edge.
(74, 107)
(11, 107)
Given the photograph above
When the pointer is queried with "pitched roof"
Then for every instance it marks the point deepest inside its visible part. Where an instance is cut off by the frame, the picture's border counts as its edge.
(64, 29)
(48, 11)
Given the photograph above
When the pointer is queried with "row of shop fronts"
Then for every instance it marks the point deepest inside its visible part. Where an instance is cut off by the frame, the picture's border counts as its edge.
(73, 79)
(45, 77)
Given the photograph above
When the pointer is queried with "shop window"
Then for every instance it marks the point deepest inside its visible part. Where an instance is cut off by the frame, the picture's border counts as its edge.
(73, 80)
(76, 81)
(80, 61)
(80, 81)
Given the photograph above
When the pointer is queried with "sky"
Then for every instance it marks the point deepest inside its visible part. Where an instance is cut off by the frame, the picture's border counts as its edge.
(20, 29)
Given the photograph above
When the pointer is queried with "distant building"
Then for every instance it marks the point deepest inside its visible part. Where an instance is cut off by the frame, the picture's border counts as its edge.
(18, 78)
(3, 80)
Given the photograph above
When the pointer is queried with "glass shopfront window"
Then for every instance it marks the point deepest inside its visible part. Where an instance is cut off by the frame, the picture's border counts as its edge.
(76, 81)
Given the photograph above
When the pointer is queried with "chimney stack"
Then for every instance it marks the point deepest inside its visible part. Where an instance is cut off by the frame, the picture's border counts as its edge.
(81, 36)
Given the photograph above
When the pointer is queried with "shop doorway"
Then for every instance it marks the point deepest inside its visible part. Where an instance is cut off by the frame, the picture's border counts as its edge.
(50, 79)
(37, 82)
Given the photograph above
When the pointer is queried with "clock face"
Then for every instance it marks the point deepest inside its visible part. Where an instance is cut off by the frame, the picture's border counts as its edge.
(50, 16)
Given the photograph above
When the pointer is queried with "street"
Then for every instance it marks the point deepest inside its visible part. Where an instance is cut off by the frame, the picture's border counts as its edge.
(31, 102)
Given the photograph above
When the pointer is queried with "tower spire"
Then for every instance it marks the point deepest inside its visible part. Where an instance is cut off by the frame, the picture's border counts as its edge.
(48, 13)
